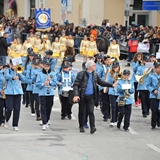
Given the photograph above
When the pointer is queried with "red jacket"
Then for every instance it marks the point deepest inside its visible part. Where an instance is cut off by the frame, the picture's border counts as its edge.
(133, 45)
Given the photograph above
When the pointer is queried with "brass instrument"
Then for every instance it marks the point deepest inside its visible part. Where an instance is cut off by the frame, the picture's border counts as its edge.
(140, 79)
(105, 78)
(19, 69)
(118, 76)
(4, 87)
(127, 95)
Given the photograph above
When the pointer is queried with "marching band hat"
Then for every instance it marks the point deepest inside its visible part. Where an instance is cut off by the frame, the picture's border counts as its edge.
(126, 71)
(156, 64)
(115, 64)
(66, 65)
(84, 65)
(35, 62)
(65, 59)
(29, 50)
(31, 54)
(37, 56)
(46, 62)
(1, 63)
(99, 56)
(152, 55)
(49, 52)
(146, 58)
(105, 57)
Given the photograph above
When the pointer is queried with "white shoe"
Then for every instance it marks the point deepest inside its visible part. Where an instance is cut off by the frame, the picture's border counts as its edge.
(15, 128)
(111, 124)
(44, 127)
(40, 123)
(2, 125)
(115, 124)
(33, 114)
(6, 125)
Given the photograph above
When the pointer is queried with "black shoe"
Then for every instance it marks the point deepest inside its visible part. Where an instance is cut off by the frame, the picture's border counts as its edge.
(69, 117)
(145, 116)
(62, 117)
(23, 102)
(105, 119)
(81, 129)
(38, 119)
(118, 125)
(125, 129)
(93, 130)
(26, 105)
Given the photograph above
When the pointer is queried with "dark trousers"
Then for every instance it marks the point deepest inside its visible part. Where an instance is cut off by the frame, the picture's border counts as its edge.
(2, 110)
(85, 115)
(31, 97)
(13, 103)
(36, 102)
(46, 107)
(65, 107)
(25, 94)
(125, 111)
(114, 108)
(154, 103)
(145, 101)
(105, 105)
(89, 102)
(135, 91)
(130, 56)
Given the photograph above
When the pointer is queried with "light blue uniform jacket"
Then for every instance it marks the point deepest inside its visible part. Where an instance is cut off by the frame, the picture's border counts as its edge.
(121, 91)
(41, 78)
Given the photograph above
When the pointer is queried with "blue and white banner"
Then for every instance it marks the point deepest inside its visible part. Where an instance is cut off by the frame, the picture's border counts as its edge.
(43, 18)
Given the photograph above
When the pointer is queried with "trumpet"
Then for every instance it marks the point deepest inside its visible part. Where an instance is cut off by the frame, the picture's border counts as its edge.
(19, 69)
(127, 95)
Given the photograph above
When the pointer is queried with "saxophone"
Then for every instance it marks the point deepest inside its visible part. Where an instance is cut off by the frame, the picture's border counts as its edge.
(4, 87)
(105, 78)
(127, 95)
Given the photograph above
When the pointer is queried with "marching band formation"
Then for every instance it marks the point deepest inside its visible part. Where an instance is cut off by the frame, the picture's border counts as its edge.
(36, 79)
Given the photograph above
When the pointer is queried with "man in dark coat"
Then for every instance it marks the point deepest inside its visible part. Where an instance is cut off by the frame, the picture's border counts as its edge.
(4, 47)
(85, 90)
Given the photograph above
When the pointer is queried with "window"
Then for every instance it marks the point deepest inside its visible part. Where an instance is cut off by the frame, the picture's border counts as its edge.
(32, 5)
(1, 7)
(137, 5)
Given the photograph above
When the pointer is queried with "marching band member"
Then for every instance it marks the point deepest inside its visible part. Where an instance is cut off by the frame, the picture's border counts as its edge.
(37, 43)
(2, 87)
(137, 61)
(27, 44)
(34, 73)
(32, 39)
(65, 81)
(153, 85)
(49, 58)
(92, 48)
(113, 75)
(70, 41)
(13, 48)
(113, 50)
(105, 103)
(142, 86)
(59, 68)
(13, 94)
(56, 47)
(152, 58)
(45, 45)
(69, 52)
(62, 42)
(46, 82)
(125, 100)
(84, 48)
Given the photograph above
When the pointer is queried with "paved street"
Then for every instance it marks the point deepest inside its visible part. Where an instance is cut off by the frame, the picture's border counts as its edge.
(63, 141)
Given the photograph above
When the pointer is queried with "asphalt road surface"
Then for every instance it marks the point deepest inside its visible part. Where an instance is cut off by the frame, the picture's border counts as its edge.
(63, 141)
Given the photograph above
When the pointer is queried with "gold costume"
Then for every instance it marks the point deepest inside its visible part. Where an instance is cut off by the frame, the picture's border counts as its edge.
(84, 47)
(92, 48)
(37, 45)
(56, 47)
(16, 50)
(62, 42)
(114, 51)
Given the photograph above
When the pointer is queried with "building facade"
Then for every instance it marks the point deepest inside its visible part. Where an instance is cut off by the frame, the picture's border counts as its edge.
(93, 11)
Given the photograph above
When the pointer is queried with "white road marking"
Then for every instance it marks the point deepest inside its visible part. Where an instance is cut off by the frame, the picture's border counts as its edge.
(154, 147)
(59, 110)
(132, 131)
(56, 98)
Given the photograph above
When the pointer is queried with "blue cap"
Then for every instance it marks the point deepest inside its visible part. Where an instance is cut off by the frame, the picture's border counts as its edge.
(66, 59)
(35, 62)
(29, 50)
(49, 52)
(31, 54)
(126, 71)
(115, 64)
(46, 62)
(37, 56)
(156, 64)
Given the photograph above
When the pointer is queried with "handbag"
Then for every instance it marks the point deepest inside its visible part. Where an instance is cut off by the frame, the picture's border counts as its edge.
(121, 101)
(143, 47)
